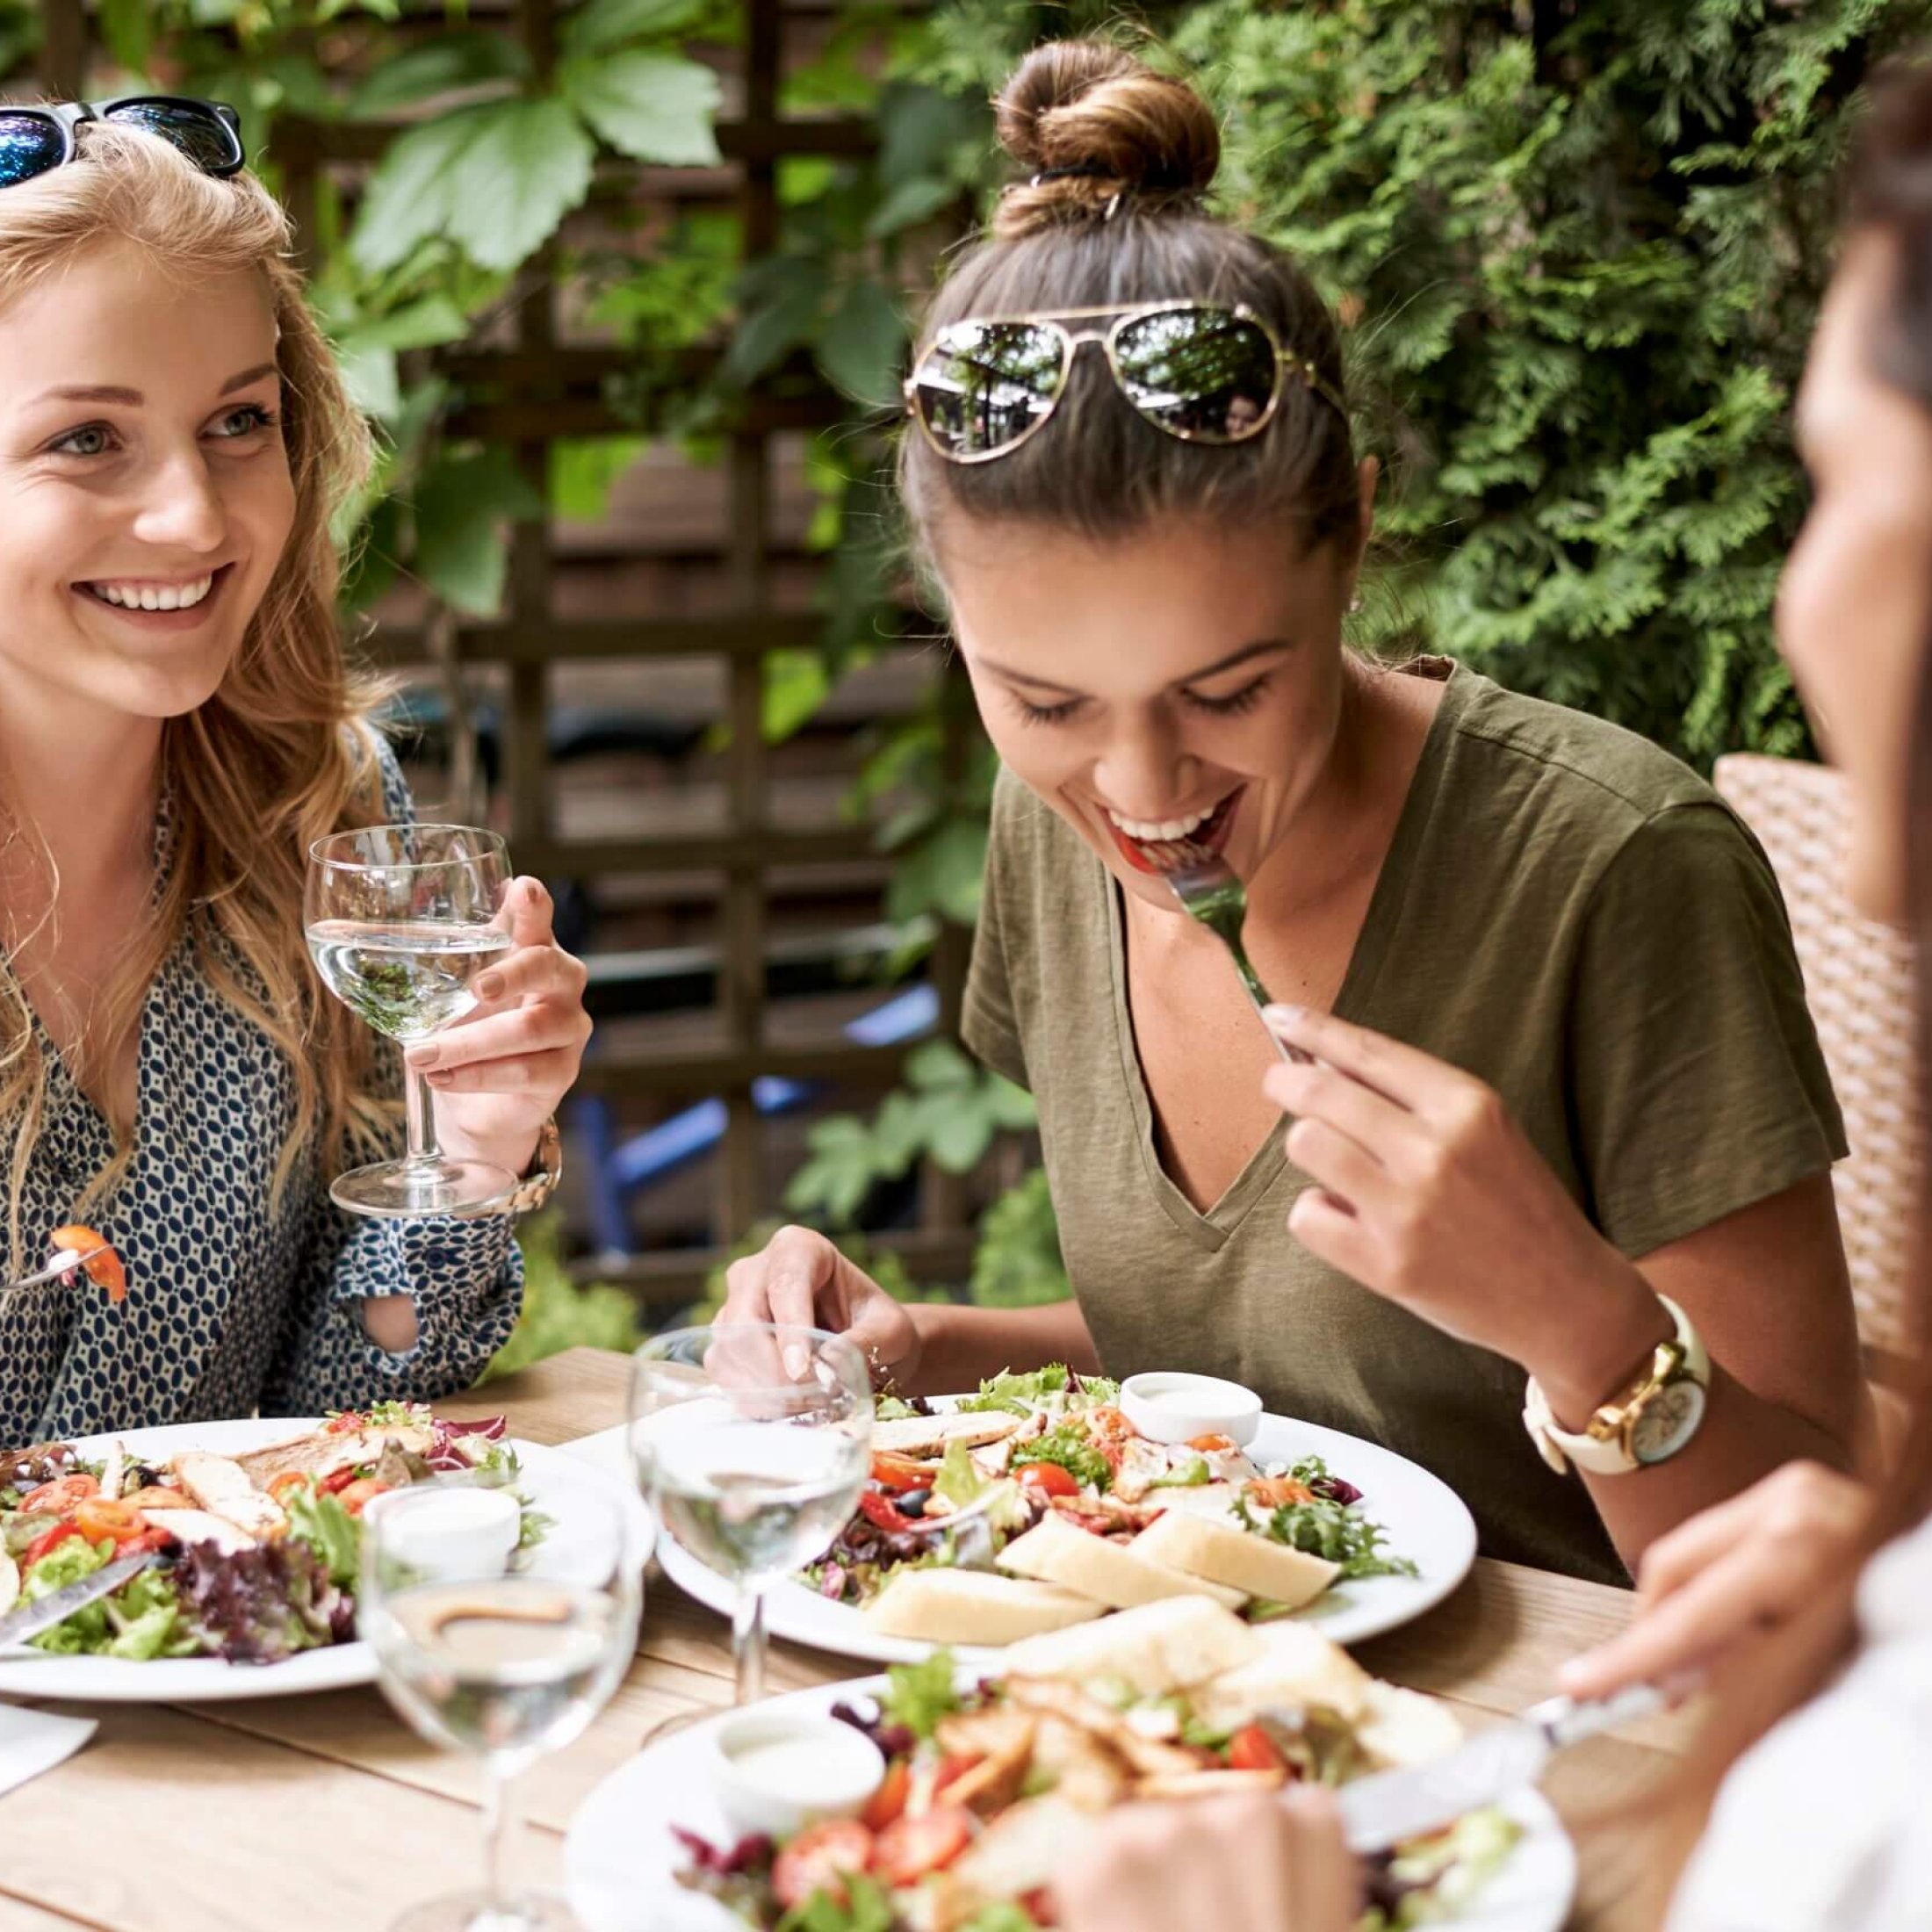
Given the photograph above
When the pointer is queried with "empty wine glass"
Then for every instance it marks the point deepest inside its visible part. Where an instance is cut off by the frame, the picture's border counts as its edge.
(753, 1443)
(502, 1656)
(401, 920)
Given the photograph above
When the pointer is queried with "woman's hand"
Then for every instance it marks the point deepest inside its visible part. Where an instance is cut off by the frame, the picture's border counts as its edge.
(799, 1277)
(501, 1070)
(1428, 1192)
(1738, 1571)
(1263, 1863)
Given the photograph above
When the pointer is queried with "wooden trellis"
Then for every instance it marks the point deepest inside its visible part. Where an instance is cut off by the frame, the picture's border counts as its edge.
(527, 394)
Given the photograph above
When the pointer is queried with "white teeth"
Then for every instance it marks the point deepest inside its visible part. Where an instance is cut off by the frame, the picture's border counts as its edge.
(154, 596)
(1145, 829)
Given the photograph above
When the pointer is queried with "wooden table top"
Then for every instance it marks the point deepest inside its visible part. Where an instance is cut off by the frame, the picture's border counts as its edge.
(325, 1813)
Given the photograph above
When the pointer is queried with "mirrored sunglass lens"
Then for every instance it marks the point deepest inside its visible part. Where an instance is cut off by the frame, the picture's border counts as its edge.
(984, 385)
(199, 132)
(1197, 372)
(29, 146)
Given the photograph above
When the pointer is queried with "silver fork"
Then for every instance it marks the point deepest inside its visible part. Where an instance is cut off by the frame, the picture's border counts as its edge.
(1212, 895)
(62, 1266)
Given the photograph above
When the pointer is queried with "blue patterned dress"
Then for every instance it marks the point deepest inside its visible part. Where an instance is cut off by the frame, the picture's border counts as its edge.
(233, 1304)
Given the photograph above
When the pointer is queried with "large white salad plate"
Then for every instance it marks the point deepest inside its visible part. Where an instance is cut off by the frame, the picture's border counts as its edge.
(621, 1857)
(1426, 1522)
(553, 1482)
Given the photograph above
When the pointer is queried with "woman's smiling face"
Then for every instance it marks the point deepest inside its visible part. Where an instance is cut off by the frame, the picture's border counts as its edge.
(145, 493)
(1181, 683)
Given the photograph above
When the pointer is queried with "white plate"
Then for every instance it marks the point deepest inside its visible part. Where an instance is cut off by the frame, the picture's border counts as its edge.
(620, 1859)
(550, 1479)
(1425, 1520)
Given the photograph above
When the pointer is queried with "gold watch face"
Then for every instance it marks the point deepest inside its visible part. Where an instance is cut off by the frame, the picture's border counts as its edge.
(1669, 1421)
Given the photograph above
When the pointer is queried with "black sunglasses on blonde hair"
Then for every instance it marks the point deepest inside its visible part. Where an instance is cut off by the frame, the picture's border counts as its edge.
(36, 141)
(1200, 371)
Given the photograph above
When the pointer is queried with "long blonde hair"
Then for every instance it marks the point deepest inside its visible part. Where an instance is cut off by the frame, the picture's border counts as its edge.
(282, 753)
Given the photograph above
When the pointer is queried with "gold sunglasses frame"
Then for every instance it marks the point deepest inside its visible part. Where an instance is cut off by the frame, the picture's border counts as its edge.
(1286, 362)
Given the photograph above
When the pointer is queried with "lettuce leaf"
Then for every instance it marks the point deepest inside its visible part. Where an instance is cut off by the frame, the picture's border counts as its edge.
(919, 1694)
(328, 1528)
(961, 1485)
(1017, 1393)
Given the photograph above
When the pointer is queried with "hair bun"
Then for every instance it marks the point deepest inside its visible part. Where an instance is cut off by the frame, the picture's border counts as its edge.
(1099, 121)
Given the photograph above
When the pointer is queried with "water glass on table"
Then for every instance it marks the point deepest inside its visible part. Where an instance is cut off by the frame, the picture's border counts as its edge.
(484, 1656)
(400, 921)
(752, 1442)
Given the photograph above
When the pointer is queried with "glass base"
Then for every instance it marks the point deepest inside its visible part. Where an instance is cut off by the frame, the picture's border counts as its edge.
(408, 1189)
(471, 1912)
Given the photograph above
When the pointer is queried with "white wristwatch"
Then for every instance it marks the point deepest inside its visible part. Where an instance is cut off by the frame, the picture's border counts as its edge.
(1649, 1421)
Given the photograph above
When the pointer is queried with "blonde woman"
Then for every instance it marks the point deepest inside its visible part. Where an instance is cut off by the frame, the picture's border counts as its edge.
(176, 725)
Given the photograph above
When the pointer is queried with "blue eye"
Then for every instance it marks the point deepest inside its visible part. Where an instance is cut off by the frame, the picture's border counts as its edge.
(90, 439)
(250, 417)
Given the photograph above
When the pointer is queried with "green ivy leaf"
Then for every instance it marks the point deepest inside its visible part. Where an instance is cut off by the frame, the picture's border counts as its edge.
(796, 683)
(779, 305)
(425, 324)
(462, 503)
(583, 470)
(838, 1170)
(368, 374)
(126, 30)
(602, 25)
(860, 344)
(908, 202)
(940, 874)
(409, 195)
(442, 66)
(528, 165)
(656, 107)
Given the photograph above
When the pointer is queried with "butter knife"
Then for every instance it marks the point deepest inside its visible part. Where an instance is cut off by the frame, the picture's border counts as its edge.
(30, 1620)
(1391, 1806)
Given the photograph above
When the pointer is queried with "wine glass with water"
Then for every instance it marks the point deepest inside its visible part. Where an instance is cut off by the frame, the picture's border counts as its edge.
(401, 920)
(505, 1663)
(753, 1442)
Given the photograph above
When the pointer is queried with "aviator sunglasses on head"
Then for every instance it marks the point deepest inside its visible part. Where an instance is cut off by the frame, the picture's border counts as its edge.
(1201, 371)
(35, 141)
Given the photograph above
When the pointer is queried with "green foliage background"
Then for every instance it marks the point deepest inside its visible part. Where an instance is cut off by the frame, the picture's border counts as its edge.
(1576, 246)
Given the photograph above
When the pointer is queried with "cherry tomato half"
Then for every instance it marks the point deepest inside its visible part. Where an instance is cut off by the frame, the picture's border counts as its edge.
(878, 1510)
(814, 1860)
(912, 1848)
(1049, 1479)
(98, 1516)
(357, 1496)
(59, 1495)
(39, 1547)
(1252, 1749)
(100, 1263)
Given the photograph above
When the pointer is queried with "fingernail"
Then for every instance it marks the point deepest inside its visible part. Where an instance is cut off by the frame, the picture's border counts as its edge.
(1279, 1015)
(420, 1057)
(488, 985)
(441, 1079)
(797, 1359)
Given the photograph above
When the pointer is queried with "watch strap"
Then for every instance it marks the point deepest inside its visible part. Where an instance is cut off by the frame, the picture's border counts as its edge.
(1608, 1453)
(540, 1179)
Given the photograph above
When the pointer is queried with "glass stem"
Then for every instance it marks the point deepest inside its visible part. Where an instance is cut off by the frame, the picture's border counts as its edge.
(499, 1818)
(749, 1642)
(422, 1105)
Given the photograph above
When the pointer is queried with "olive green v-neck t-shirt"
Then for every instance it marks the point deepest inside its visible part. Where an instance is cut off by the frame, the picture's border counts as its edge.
(1565, 911)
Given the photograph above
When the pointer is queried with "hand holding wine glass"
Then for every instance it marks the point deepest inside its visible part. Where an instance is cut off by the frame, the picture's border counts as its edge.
(753, 1443)
(422, 931)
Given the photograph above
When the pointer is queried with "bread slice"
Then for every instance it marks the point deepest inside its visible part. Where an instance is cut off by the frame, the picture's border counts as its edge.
(929, 1435)
(1292, 1664)
(1158, 1648)
(1054, 1552)
(1401, 1726)
(1226, 1554)
(955, 1606)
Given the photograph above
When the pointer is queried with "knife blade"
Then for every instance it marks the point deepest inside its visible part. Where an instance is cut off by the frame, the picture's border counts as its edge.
(1391, 1806)
(30, 1620)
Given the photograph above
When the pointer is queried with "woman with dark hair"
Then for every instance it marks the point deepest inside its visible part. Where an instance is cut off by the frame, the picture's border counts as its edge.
(1129, 469)
(1808, 1598)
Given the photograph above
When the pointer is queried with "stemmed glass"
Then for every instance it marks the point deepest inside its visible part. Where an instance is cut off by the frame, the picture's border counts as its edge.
(753, 1442)
(482, 1655)
(400, 921)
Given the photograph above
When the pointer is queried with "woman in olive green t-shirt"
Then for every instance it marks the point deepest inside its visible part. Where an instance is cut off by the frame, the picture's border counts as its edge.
(1567, 1066)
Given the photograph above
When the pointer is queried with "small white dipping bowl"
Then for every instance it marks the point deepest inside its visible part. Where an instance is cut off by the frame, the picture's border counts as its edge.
(776, 1772)
(456, 1533)
(1172, 1406)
